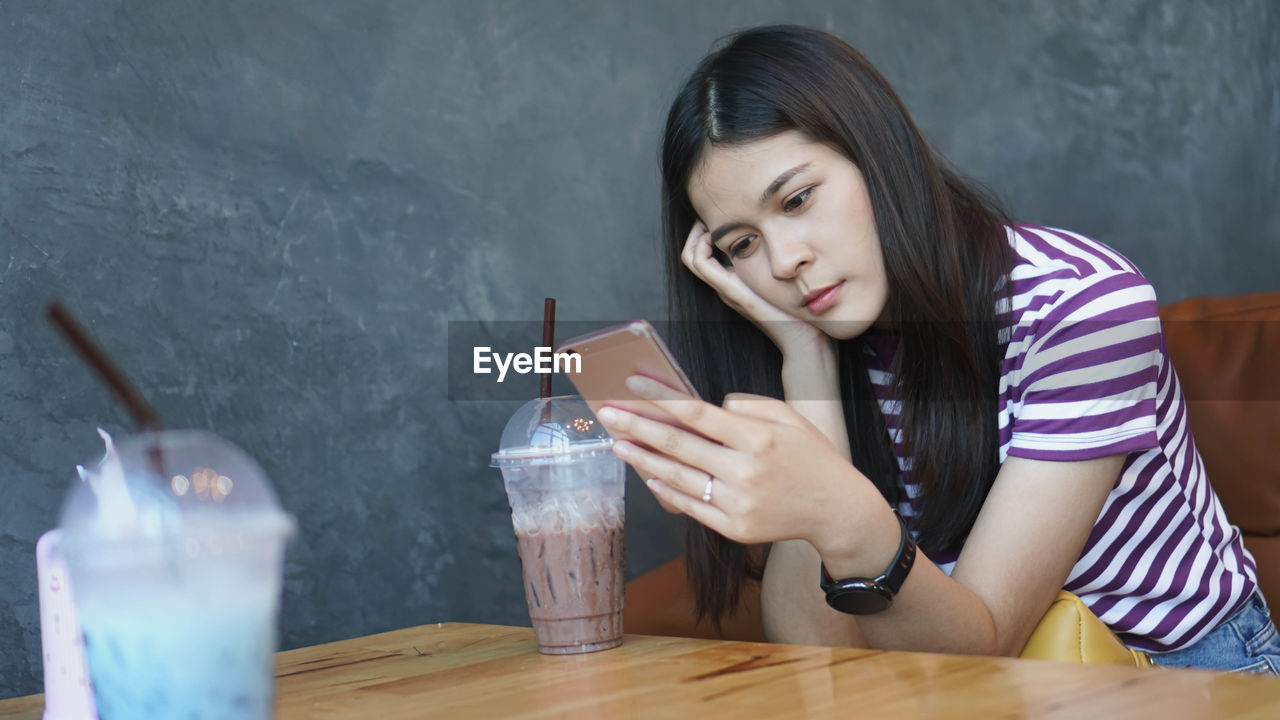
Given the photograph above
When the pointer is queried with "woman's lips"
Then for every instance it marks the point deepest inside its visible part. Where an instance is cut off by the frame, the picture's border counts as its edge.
(825, 299)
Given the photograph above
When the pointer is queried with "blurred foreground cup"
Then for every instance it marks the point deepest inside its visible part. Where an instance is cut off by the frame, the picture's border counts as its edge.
(176, 552)
(66, 680)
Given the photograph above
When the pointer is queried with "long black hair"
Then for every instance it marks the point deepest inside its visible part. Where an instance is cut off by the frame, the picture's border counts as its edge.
(945, 253)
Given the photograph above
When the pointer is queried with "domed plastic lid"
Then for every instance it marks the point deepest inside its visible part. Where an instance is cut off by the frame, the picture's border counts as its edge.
(551, 430)
(157, 486)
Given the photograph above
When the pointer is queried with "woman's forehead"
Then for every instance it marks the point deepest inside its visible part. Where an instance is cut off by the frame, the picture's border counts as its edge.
(741, 172)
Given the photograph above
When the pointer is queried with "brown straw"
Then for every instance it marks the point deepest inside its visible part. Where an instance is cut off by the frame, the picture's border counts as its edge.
(143, 415)
(548, 337)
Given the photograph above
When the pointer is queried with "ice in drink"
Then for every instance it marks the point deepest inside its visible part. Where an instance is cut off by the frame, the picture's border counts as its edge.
(572, 565)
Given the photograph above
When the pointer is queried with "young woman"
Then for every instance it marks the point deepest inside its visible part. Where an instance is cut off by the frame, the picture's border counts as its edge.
(977, 413)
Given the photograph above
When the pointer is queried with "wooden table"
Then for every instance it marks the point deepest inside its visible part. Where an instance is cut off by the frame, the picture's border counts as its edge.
(489, 671)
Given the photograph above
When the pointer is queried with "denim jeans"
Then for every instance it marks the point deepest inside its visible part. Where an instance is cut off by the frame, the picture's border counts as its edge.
(1247, 642)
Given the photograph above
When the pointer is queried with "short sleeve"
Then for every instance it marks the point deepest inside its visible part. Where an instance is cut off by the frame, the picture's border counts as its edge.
(1085, 381)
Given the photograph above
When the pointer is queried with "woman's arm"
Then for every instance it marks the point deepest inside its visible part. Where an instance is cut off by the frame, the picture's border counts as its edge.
(792, 604)
(778, 477)
(1018, 555)
(811, 385)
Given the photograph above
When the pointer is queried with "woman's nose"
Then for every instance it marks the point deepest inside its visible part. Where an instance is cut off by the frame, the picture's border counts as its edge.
(788, 255)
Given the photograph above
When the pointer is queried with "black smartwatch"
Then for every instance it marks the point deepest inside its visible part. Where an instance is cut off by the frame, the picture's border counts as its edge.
(866, 596)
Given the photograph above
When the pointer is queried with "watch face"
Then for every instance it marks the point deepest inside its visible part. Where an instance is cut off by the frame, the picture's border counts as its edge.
(860, 599)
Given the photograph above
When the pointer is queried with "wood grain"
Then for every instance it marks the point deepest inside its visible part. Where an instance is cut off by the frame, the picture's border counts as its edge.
(463, 670)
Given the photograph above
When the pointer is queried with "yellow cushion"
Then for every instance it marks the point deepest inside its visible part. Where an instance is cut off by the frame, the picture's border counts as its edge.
(1069, 632)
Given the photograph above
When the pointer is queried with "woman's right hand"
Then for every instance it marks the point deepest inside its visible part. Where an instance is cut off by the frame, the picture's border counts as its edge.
(792, 336)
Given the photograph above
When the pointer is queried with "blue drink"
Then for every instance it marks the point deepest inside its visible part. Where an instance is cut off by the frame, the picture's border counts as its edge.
(178, 657)
(176, 560)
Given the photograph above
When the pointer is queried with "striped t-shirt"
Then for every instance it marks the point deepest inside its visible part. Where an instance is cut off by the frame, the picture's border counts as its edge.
(1087, 375)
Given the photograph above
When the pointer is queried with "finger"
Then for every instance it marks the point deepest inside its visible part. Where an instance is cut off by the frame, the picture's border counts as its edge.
(705, 513)
(672, 509)
(687, 480)
(698, 255)
(681, 445)
(696, 244)
(760, 407)
(702, 260)
(702, 417)
(726, 282)
(691, 240)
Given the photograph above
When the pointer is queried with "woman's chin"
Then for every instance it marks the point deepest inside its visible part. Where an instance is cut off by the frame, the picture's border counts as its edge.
(843, 329)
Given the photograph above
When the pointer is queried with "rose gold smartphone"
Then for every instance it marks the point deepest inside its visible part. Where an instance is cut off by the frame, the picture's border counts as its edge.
(610, 355)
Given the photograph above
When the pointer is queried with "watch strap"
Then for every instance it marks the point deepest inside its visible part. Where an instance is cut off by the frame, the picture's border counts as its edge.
(844, 594)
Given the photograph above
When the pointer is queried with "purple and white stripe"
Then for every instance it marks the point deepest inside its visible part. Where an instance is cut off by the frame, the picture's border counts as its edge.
(1087, 375)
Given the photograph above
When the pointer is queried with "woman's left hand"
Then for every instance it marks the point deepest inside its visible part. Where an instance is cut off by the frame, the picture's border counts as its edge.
(776, 476)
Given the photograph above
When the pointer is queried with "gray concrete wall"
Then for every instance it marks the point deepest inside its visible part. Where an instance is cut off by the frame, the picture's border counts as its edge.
(269, 212)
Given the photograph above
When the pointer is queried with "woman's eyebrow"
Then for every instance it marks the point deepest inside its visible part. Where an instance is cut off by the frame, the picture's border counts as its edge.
(781, 180)
(769, 192)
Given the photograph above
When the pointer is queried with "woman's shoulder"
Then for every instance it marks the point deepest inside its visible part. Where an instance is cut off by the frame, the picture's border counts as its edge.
(1039, 249)
(1059, 273)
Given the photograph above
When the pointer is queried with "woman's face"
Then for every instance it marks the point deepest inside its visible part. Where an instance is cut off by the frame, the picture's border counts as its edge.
(795, 220)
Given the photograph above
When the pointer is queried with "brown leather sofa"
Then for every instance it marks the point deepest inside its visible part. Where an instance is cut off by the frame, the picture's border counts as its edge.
(1227, 354)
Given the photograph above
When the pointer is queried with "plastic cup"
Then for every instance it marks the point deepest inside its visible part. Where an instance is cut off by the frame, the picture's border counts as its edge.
(176, 578)
(565, 487)
(66, 679)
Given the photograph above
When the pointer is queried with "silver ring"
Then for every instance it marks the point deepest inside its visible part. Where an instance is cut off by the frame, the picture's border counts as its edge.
(706, 492)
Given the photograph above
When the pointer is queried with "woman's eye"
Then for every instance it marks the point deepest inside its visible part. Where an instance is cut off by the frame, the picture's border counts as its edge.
(797, 201)
(741, 246)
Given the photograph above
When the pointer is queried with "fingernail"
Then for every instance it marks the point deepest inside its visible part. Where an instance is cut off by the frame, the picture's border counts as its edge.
(622, 450)
(608, 416)
(652, 483)
(638, 385)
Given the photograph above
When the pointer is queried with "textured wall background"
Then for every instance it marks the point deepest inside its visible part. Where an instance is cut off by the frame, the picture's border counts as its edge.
(269, 212)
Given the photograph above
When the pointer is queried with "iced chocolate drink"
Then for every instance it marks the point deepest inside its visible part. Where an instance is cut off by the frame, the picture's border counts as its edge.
(573, 577)
(565, 487)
